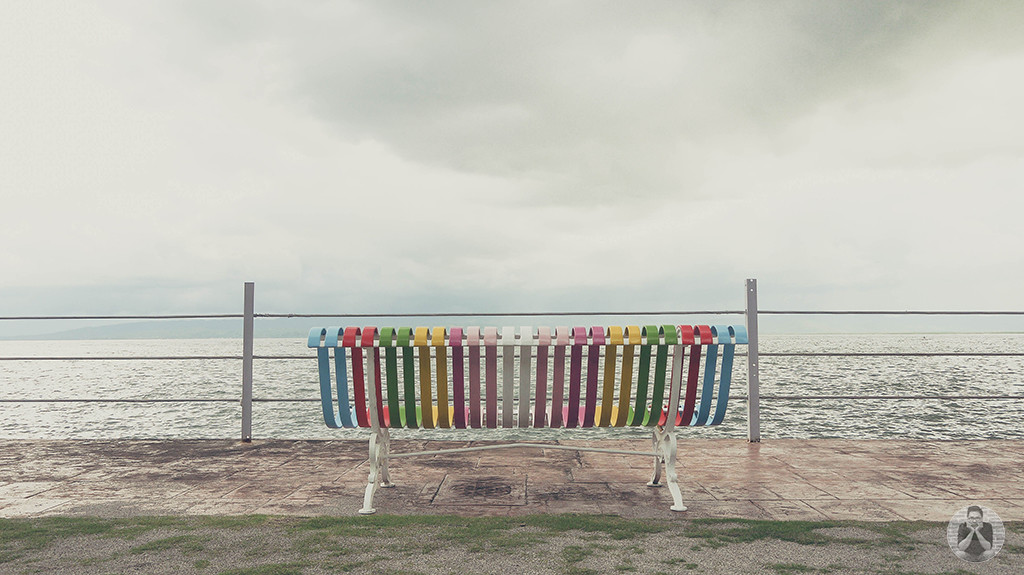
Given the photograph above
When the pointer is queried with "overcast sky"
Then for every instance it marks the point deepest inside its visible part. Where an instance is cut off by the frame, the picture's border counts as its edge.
(491, 156)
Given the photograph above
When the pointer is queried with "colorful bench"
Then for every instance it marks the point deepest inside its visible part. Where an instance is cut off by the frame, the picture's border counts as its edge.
(449, 377)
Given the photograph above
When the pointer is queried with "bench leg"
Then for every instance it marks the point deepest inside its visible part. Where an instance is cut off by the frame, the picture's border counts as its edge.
(666, 448)
(658, 459)
(380, 445)
(385, 475)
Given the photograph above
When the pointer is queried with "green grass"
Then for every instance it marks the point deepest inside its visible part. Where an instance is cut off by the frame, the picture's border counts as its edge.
(575, 553)
(794, 569)
(292, 545)
(626, 566)
(614, 527)
(719, 532)
(1014, 549)
(39, 533)
(898, 571)
(19, 537)
(278, 569)
(34, 533)
(187, 544)
(478, 534)
(235, 522)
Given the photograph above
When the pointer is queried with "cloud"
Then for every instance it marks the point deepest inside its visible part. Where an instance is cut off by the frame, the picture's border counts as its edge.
(598, 103)
(499, 154)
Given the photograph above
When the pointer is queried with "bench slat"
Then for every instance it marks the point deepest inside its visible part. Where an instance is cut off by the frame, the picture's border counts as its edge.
(358, 387)
(632, 339)
(541, 394)
(437, 342)
(508, 362)
(391, 376)
(458, 378)
(729, 350)
(558, 386)
(408, 377)
(611, 354)
(593, 360)
(491, 382)
(473, 341)
(692, 376)
(527, 341)
(710, 365)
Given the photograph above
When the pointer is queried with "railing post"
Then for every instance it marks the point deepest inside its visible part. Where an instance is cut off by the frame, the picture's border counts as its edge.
(753, 383)
(247, 336)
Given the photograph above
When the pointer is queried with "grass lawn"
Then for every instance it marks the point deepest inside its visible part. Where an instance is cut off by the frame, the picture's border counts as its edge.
(559, 544)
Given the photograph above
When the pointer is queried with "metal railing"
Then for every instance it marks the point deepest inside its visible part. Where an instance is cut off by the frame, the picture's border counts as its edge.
(751, 314)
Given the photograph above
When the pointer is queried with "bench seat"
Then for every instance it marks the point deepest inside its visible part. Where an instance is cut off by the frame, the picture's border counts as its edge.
(383, 378)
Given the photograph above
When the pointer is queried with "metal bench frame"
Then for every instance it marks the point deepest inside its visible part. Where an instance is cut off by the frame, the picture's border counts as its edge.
(423, 400)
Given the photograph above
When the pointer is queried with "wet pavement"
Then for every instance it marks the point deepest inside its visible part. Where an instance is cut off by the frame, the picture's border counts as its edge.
(874, 480)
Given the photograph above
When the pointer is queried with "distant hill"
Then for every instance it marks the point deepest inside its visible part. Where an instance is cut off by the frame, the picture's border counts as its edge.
(177, 329)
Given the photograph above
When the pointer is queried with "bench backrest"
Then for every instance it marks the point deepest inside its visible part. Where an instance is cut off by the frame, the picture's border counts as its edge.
(579, 377)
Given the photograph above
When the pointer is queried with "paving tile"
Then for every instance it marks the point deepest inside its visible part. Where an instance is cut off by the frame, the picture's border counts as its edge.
(574, 492)
(280, 507)
(491, 490)
(1009, 509)
(315, 492)
(218, 489)
(123, 507)
(577, 506)
(856, 510)
(972, 490)
(690, 490)
(238, 507)
(546, 474)
(736, 490)
(153, 490)
(33, 506)
(797, 489)
(24, 489)
(478, 511)
(724, 509)
(858, 490)
(263, 490)
(924, 509)
(791, 509)
(923, 491)
(584, 475)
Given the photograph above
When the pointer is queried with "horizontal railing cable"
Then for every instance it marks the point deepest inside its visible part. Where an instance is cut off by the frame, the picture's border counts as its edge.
(310, 357)
(118, 317)
(510, 314)
(317, 399)
(161, 400)
(124, 400)
(498, 314)
(887, 354)
(883, 312)
(640, 313)
(800, 397)
(148, 357)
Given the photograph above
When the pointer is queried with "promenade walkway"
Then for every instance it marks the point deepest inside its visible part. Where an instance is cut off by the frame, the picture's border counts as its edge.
(875, 480)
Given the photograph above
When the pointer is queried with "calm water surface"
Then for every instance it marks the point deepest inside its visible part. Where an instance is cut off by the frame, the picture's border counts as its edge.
(297, 379)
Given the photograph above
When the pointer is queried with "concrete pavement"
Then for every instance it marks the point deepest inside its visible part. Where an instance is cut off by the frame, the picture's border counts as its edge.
(874, 480)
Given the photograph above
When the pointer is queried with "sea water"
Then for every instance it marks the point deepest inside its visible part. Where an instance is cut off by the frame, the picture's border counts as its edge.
(296, 379)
